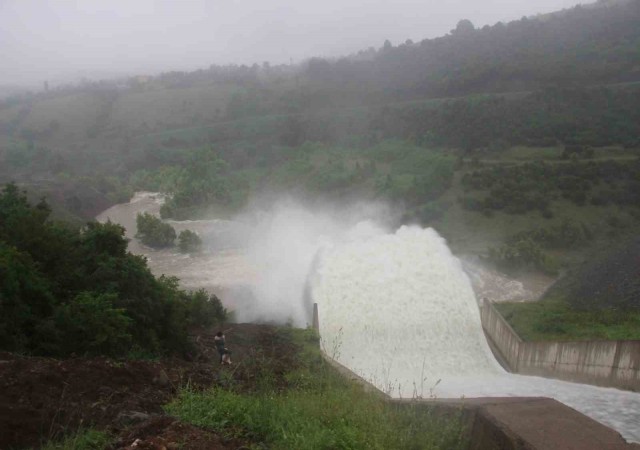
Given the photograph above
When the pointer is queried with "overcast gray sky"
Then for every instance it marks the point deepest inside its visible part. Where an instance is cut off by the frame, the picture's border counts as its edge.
(57, 39)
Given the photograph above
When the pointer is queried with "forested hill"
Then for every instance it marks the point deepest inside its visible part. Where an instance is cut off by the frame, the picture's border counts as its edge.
(563, 81)
(519, 141)
(577, 47)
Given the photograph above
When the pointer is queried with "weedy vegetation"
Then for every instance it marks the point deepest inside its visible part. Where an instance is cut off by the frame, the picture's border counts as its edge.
(312, 407)
(84, 439)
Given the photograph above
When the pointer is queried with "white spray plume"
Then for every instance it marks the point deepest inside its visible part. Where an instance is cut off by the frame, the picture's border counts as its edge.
(285, 240)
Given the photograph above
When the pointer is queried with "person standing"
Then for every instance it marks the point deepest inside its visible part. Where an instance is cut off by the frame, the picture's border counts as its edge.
(223, 351)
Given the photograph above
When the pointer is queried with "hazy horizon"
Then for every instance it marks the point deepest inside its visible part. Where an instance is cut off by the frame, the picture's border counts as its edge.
(63, 40)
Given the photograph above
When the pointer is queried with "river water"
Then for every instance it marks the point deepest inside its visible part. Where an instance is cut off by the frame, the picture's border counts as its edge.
(221, 268)
(395, 307)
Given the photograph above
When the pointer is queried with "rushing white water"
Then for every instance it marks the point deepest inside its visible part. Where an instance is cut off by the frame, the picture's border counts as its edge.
(398, 310)
(499, 287)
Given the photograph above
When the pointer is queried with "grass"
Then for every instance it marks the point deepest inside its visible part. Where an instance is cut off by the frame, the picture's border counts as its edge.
(523, 153)
(554, 320)
(317, 409)
(84, 439)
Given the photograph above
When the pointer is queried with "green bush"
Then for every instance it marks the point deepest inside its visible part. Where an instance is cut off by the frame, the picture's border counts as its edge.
(24, 295)
(566, 235)
(89, 324)
(153, 232)
(204, 309)
(523, 254)
(189, 242)
(517, 189)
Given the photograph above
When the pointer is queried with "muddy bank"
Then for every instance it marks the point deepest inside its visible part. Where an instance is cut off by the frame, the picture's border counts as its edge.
(44, 398)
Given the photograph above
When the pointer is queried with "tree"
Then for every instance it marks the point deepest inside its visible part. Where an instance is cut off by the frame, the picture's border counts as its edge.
(464, 27)
(153, 232)
(90, 324)
(189, 242)
(104, 238)
(25, 298)
(204, 309)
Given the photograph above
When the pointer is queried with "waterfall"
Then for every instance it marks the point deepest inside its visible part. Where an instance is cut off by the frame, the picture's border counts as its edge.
(398, 310)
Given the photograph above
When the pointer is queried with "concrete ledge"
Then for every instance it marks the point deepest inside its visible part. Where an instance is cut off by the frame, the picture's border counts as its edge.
(511, 423)
(521, 423)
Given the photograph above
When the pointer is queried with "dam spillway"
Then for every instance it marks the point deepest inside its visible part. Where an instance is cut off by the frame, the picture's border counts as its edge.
(398, 310)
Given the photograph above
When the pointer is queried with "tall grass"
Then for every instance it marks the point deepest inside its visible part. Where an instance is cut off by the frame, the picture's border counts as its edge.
(318, 409)
(83, 439)
(555, 319)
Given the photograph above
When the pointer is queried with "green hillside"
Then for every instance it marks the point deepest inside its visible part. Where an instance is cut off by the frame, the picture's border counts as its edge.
(518, 141)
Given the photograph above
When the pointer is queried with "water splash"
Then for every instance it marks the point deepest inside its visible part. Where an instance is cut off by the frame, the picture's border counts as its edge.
(398, 310)
(403, 309)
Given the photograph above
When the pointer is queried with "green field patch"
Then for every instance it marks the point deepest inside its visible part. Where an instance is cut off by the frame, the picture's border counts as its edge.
(554, 320)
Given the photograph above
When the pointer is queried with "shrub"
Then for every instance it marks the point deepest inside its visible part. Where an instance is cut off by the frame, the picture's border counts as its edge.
(523, 253)
(153, 232)
(566, 235)
(89, 324)
(204, 309)
(189, 242)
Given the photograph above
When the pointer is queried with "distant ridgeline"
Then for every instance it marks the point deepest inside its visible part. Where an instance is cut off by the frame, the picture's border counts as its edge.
(581, 46)
(576, 48)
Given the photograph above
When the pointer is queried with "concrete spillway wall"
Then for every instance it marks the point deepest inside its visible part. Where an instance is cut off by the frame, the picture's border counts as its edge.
(602, 363)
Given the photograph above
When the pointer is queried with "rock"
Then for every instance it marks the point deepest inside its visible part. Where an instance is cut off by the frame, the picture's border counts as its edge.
(131, 417)
(162, 379)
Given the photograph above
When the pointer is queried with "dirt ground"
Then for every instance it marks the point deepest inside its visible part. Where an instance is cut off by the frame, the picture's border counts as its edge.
(43, 398)
(163, 432)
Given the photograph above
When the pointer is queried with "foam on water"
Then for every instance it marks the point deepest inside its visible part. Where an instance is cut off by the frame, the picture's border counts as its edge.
(399, 310)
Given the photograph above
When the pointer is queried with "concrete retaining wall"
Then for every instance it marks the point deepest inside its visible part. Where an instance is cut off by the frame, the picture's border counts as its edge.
(603, 363)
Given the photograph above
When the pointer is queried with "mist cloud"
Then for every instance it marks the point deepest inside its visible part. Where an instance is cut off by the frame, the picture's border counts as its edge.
(56, 39)
(284, 246)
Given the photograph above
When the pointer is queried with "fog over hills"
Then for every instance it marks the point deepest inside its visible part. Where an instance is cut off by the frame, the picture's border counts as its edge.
(63, 41)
